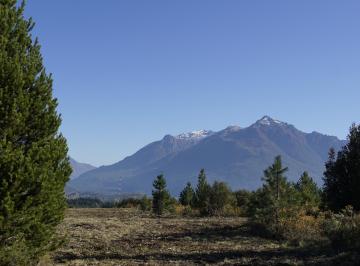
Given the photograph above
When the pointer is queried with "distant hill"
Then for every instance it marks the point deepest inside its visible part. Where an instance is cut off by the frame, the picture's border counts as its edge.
(235, 155)
(79, 168)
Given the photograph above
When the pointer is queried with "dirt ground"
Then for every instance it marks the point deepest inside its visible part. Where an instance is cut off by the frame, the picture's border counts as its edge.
(129, 237)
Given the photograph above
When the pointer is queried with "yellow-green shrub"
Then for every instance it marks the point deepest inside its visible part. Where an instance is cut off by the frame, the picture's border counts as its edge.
(299, 227)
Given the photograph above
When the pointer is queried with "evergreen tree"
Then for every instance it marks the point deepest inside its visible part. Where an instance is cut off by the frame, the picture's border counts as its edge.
(342, 174)
(275, 181)
(161, 197)
(202, 194)
(309, 193)
(187, 195)
(220, 196)
(34, 166)
(274, 199)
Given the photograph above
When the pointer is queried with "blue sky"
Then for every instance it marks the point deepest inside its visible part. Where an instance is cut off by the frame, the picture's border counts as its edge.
(128, 72)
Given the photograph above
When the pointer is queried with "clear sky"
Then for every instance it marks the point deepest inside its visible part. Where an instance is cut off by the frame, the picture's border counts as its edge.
(128, 72)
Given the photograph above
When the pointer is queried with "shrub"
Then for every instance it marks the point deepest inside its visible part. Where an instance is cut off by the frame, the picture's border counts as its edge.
(145, 204)
(243, 198)
(84, 203)
(231, 210)
(343, 229)
(188, 211)
(298, 227)
(220, 196)
(129, 203)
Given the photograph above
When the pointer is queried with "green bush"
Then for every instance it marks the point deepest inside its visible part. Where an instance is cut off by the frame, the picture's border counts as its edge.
(145, 204)
(243, 198)
(84, 203)
(343, 229)
(221, 199)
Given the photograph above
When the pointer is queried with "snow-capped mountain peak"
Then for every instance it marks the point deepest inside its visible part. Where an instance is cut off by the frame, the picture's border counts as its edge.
(267, 120)
(233, 128)
(198, 134)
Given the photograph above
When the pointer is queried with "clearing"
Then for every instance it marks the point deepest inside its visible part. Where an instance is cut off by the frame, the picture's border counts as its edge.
(130, 237)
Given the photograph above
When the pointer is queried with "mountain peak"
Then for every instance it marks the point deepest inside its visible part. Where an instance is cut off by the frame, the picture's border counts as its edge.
(232, 128)
(198, 134)
(267, 120)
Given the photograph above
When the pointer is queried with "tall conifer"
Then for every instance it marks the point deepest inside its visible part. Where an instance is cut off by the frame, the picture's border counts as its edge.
(187, 195)
(342, 175)
(33, 155)
(202, 194)
(161, 197)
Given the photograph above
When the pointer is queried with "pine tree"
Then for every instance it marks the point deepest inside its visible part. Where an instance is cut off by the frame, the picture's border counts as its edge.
(342, 174)
(161, 197)
(187, 195)
(309, 193)
(202, 194)
(33, 156)
(272, 201)
(274, 178)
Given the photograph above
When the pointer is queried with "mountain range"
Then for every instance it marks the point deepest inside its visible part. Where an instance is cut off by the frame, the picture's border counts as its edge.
(235, 155)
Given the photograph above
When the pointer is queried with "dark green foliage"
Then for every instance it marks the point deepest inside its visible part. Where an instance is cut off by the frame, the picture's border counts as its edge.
(108, 204)
(202, 194)
(187, 195)
(143, 204)
(243, 198)
(129, 203)
(275, 182)
(161, 197)
(270, 203)
(208, 200)
(33, 156)
(309, 193)
(342, 175)
(84, 203)
(220, 197)
(343, 229)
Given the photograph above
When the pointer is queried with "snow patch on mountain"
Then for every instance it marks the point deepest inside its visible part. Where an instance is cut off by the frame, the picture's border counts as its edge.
(268, 121)
(198, 134)
(233, 128)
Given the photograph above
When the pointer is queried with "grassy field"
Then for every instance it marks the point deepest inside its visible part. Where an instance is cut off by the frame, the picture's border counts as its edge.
(129, 237)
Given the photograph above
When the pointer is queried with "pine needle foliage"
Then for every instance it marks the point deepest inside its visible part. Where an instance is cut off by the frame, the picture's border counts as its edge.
(187, 195)
(342, 175)
(161, 196)
(34, 166)
(202, 194)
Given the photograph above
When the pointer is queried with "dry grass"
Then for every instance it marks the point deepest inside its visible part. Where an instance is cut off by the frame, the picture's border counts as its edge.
(129, 237)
